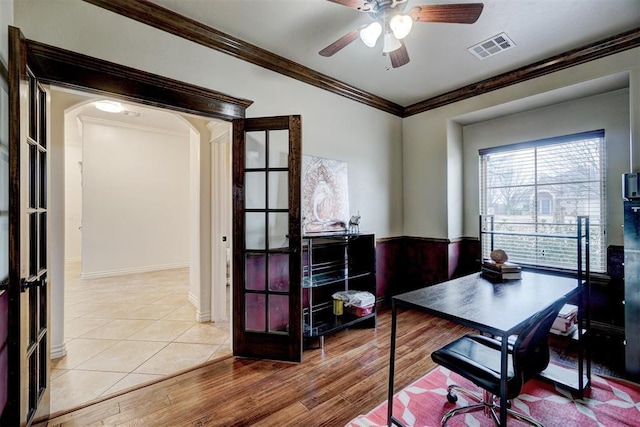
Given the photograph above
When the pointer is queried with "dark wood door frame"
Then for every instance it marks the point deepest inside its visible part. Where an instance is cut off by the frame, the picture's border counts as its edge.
(11, 414)
(53, 65)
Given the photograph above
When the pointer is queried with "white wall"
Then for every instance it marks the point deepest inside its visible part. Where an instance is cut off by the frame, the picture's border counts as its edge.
(72, 188)
(57, 220)
(367, 139)
(430, 163)
(202, 276)
(609, 111)
(455, 181)
(135, 199)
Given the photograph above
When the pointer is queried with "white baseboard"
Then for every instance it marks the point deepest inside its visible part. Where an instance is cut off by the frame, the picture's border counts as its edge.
(133, 270)
(193, 299)
(201, 316)
(204, 316)
(58, 351)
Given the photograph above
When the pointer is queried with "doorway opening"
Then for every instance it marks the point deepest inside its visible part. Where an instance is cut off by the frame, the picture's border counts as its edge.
(49, 66)
(138, 275)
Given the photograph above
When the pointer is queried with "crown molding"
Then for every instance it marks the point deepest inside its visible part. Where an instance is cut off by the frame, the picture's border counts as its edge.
(166, 20)
(570, 58)
(189, 29)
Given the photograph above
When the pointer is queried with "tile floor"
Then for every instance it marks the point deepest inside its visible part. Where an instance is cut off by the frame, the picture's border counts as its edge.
(126, 330)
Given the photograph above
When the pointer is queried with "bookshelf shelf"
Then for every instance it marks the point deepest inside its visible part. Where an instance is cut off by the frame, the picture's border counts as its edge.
(559, 375)
(332, 263)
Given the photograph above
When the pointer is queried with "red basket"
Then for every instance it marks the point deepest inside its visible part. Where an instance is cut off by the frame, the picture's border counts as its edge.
(360, 311)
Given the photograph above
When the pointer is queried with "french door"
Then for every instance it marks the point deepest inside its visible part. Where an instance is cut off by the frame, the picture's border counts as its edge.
(28, 288)
(267, 316)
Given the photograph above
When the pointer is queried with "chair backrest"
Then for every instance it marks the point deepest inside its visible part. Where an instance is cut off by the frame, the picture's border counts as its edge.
(531, 349)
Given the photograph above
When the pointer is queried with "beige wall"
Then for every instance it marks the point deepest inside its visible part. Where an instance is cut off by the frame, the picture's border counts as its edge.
(413, 166)
(609, 111)
(367, 139)
(432, 162)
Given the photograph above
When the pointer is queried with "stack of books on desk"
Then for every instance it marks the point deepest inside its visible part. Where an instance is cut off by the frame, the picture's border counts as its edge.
(499, 272)
(567, 321)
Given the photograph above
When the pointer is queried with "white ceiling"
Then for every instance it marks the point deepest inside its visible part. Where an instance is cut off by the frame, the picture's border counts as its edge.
(132, 114)
(440, 62)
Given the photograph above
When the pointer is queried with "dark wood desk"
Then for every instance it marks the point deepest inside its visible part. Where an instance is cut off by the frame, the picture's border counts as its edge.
(498, 309)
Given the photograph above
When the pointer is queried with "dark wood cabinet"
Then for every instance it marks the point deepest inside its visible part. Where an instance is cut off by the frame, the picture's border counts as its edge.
(333, 263)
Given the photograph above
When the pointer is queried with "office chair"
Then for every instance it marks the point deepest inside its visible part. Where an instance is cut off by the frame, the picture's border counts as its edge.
(477, 358)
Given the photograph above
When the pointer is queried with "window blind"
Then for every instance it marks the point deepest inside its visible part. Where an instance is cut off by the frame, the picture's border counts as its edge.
(540, 187)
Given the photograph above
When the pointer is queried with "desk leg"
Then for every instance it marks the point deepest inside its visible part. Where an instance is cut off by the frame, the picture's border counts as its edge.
(392, 360)
(504, 358)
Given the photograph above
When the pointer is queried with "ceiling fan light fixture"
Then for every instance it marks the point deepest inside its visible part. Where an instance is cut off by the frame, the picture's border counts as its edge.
(370, 34)
(390, 43)
(401, 26)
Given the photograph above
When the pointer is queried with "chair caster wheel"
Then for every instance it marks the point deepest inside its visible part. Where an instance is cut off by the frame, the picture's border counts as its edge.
(452, 397)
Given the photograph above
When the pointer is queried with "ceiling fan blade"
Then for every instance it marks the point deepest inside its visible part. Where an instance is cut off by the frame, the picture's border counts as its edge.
(400, 56)
(340, 43)
(466, 13)
(362, 5)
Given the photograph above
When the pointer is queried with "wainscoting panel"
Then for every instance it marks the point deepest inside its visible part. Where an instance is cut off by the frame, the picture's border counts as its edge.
(390, 262)
(407, 263)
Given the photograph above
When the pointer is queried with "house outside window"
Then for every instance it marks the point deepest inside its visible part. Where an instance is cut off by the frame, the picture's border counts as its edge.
(544, 203)
(537, 189)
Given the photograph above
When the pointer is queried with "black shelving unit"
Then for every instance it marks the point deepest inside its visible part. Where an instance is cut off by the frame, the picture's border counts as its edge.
(581, 297)
(335, 262)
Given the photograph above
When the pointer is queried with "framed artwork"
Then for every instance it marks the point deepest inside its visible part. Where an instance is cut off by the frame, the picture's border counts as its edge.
(325, 195)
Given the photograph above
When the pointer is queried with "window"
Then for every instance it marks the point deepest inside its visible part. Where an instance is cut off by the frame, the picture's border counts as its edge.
(539, 188)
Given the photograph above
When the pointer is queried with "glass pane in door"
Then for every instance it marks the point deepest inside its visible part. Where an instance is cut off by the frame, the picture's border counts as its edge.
(255, 312)
(279, 272)
(278, 190)
(278, 148)
(254, 267)
(254, 187)
(278, 230)
(255, 149)
(278, 313)
(255, 231)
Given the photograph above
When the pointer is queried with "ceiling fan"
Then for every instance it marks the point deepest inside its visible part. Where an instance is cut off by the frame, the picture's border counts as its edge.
(394, 25)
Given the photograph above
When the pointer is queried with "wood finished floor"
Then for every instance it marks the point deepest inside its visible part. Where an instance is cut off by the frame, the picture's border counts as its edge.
(329, 388)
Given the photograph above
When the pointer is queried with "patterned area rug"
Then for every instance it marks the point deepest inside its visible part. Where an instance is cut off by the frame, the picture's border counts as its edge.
(609, 402)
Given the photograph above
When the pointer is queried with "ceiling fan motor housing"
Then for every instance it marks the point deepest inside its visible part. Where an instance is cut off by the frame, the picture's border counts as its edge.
(380, 7)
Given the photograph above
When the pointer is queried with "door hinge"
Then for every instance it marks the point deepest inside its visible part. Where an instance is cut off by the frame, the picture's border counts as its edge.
(4, 284)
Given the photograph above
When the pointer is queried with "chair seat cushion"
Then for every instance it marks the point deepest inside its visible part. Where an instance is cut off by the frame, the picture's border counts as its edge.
(477, 358)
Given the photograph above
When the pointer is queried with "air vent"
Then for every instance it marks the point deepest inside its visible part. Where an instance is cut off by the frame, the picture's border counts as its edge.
(492, 46)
